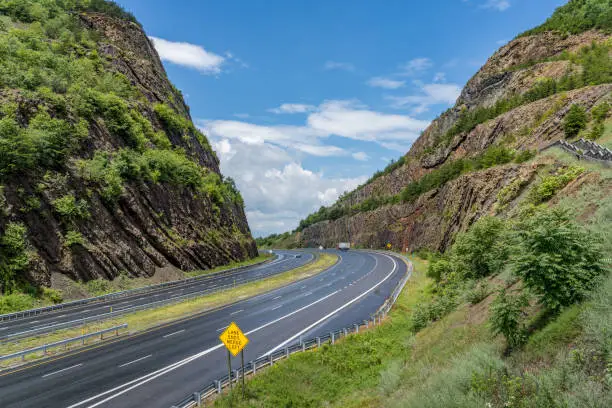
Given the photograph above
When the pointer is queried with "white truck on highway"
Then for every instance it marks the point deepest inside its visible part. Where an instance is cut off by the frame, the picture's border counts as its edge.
(344, 246)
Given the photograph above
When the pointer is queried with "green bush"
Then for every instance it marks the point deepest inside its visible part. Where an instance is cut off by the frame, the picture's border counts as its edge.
(15, 302)
(53, 295)
(482, 250)
(70, 209)
(507, 317)
(546, 188)
(438, 269)
(13, 255)
(557, 259)
(73, 238)
(574, 121)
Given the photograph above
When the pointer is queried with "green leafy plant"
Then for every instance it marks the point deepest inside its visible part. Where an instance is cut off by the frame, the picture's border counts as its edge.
(574, 121)
(72, 238)
(557, 259)
(507, 317)
(13, 255)
(70, 208)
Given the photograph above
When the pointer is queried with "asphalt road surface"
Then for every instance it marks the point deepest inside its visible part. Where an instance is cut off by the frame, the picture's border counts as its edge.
(50, 321)
(160, 367)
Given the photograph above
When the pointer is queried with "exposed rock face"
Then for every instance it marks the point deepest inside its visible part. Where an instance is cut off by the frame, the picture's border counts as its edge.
(151, 225)
(438, 215)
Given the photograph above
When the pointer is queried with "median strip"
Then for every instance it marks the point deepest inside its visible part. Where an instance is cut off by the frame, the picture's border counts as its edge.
(151, 318)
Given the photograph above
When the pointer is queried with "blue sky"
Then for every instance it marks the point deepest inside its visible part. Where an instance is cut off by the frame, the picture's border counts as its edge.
(305, 99)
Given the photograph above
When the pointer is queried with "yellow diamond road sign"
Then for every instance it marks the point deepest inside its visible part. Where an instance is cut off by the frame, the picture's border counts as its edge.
(234, 339)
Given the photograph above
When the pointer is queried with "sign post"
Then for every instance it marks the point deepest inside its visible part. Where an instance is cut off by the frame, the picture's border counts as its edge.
(234, 341)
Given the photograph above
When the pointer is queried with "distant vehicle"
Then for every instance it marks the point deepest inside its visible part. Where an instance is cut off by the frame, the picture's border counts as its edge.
(344, 246)
(298, 256)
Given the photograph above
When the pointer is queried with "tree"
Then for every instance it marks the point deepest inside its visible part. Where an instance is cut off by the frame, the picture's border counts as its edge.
(557, 259)
(574, 121)
(507, 317)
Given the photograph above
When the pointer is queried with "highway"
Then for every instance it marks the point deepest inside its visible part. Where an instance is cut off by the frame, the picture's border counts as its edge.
(53, 320)
(160, 367)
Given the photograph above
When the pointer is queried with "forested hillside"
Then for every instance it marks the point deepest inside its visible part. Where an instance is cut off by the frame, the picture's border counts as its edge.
(102, 172)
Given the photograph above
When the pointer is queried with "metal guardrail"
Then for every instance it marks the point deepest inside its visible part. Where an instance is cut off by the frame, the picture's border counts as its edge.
(217, 387)
(124, 293)
(150, 305)
(65, 343)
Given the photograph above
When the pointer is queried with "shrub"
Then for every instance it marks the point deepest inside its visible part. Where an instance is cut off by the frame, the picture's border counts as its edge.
(13, 255)
(14, 302)
(478, 293)
(507, 317)
(574, 121)
(438, 269)
(53, 295)
(69, 208)
(73, 238)
(578, 16)
(551, 184)
(482, 250)
(557, 259)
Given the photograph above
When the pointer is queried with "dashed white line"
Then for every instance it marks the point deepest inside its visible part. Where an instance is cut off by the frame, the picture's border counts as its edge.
(236, 312)
(278, 297)
(307, 294)
(63, 369)
(172, 334)
(135, 361)
(303, 287)
(277, 307)
(222, 328)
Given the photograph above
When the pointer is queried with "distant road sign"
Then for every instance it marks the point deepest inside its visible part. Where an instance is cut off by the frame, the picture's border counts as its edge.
(234, 339)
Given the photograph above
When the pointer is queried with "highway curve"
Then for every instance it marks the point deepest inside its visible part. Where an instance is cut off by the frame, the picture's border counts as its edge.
(50, 321)
(160, 367)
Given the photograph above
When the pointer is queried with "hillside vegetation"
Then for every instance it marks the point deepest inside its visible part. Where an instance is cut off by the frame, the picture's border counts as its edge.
(102, 172)
(510, 304)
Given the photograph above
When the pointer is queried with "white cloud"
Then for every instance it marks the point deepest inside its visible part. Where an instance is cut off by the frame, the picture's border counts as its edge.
(415, 66)
(386, 83)
(292, 108)
(277, 190)
(361, 156)
(344, 66)
(439, 77)
(500, 5)
(431, 94)
(351, 120)
(189, 55)
(264, 160)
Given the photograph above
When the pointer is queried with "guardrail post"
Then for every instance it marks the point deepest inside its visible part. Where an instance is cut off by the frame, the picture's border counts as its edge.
(345, 332)
(318, 342)
(367, 322)
(237, 375)
(303, 346)
(254, 367)
(197, 398)
(271, 359)
(356, 328)
(287, 351)
(218, 386)
(45, 350)
(117, 332)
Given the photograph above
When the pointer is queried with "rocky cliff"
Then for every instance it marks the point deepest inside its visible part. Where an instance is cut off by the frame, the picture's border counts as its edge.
(515, 104)
(101, 170)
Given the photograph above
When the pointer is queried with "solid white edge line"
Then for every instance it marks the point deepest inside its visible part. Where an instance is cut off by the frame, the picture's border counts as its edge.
(135, 361)
(295, 336)
(63, 369)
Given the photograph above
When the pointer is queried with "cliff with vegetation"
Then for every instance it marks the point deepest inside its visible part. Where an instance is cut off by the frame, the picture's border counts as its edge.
(102, 172)
(465, 163)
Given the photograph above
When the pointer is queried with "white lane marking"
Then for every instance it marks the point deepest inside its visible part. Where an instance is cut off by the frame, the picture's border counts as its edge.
(236, 312)
(172, 334)
(307, 294)
(276, 307)
(321, 320)
(278, 297)
(33, 321)
(63, 369)
(61, 315)
(223, 328)
(303, 287)
(151, 376)
(135, 361)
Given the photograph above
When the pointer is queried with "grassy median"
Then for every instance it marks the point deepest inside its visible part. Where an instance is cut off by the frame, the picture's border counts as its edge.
(146, 319)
